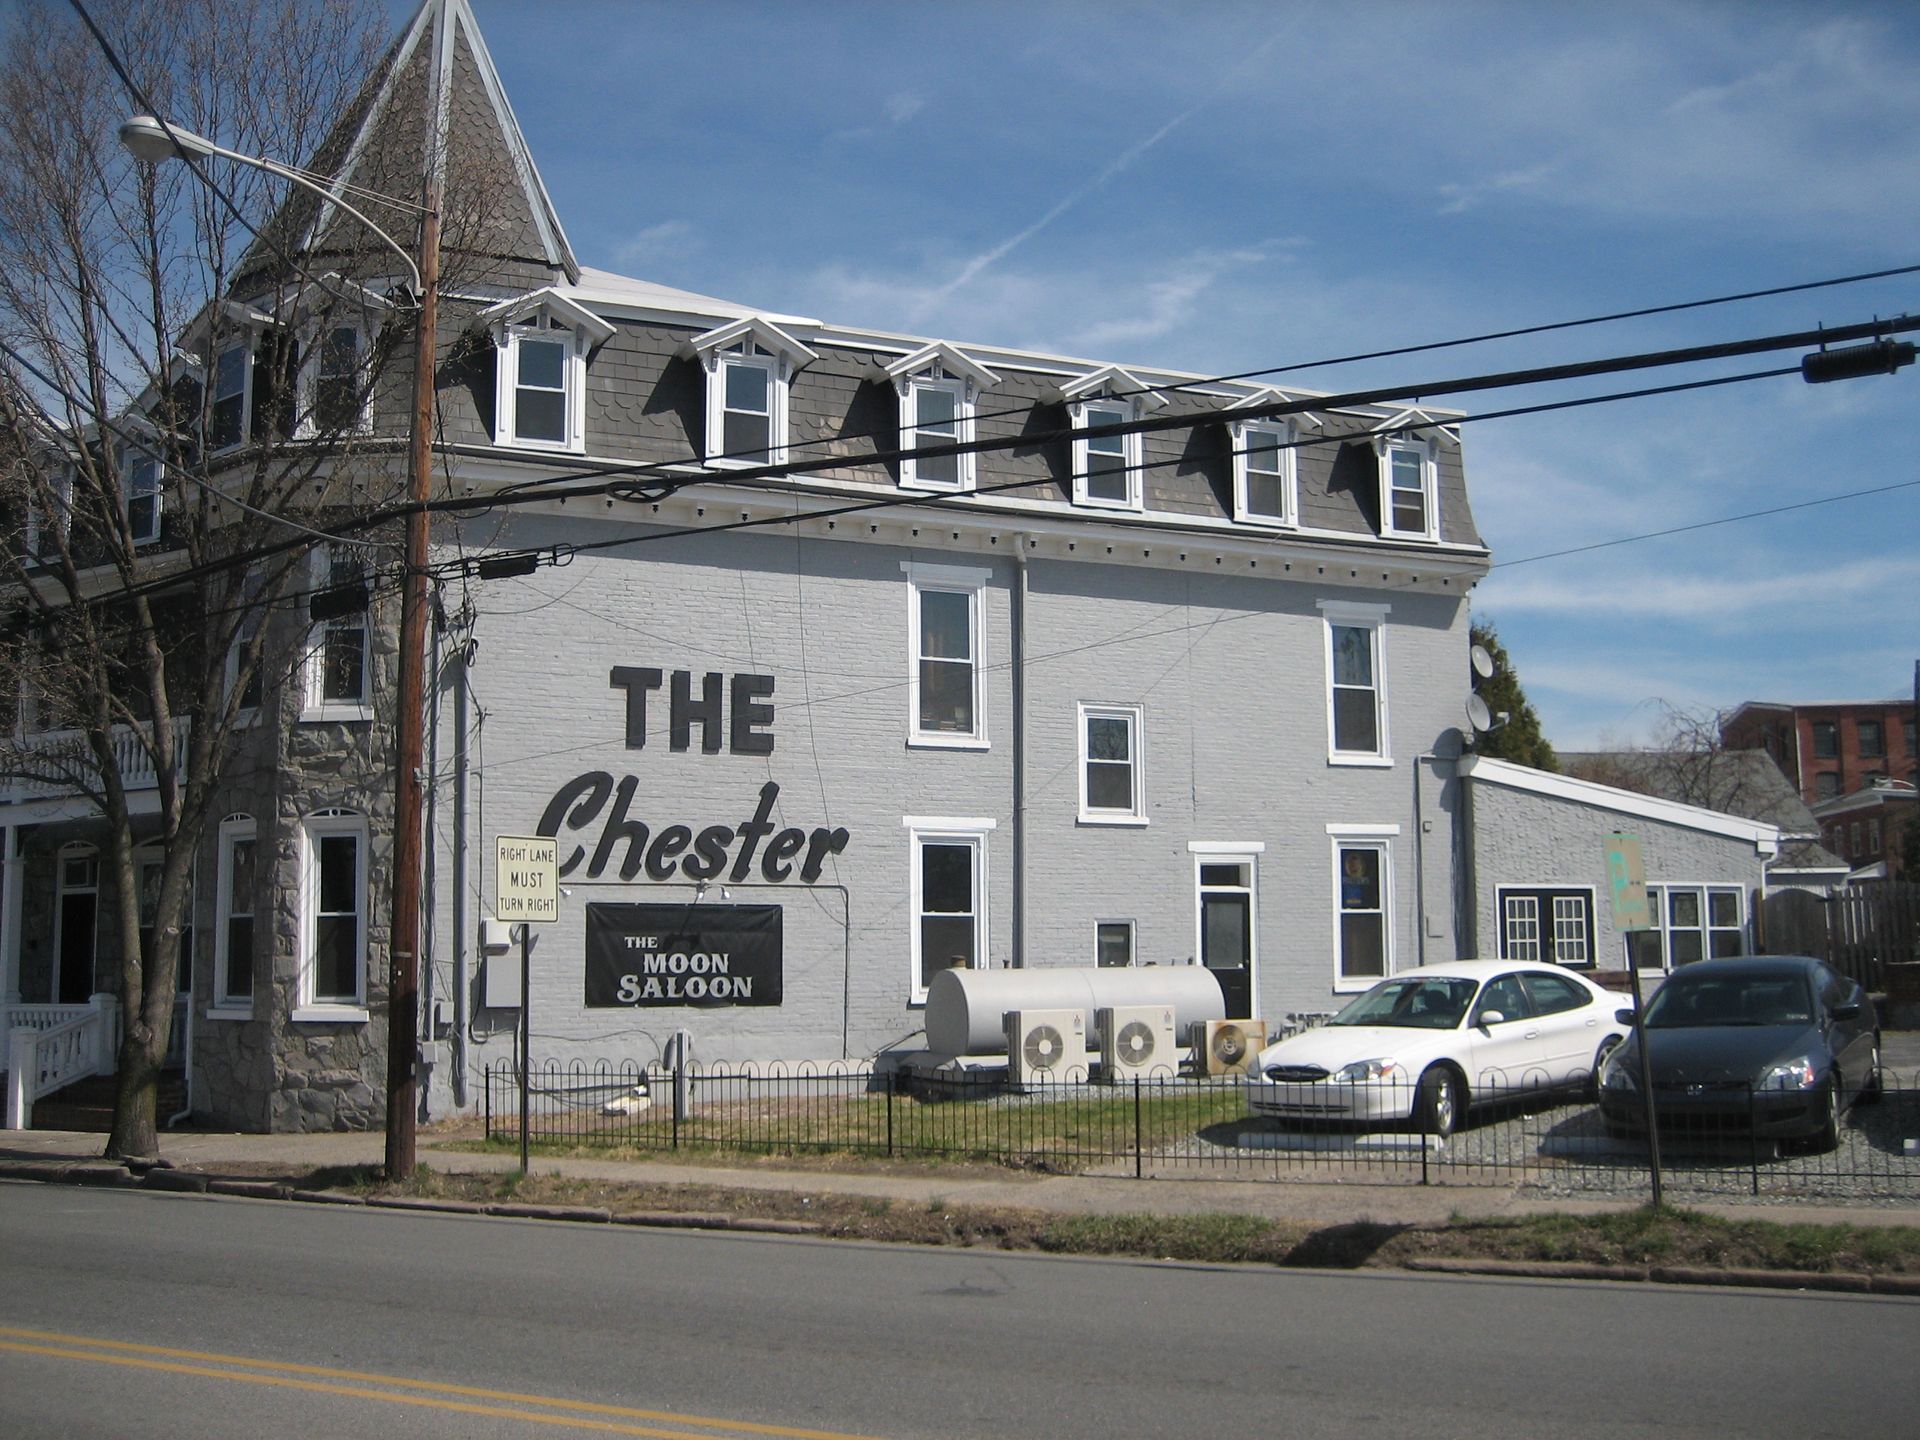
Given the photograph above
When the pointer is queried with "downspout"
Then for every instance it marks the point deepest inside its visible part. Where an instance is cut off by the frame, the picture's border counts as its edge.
(461, 988)
(1017, 623)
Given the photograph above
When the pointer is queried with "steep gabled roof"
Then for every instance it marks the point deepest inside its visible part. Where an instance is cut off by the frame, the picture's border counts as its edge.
(435, 98)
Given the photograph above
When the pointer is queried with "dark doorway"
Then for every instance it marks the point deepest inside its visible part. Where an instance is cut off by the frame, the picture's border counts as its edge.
(1226, 933)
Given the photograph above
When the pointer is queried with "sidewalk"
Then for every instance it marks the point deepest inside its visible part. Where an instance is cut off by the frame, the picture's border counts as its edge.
(1318, 1203)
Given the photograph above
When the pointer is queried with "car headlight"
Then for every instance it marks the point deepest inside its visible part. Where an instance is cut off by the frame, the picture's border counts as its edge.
(1382, 1069)
(1617, 1075)
(1795, 1074)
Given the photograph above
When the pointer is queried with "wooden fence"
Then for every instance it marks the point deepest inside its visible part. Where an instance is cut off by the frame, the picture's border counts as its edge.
(1858, 929)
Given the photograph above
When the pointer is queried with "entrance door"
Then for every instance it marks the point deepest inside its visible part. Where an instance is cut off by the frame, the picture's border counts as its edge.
(79, 905)
(1226, 931)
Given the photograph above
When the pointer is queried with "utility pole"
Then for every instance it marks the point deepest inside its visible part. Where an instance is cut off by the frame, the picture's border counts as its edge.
(403, 940)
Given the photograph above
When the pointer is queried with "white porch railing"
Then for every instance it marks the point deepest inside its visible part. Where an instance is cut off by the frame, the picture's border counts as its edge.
(44, 1057)
(51, 757)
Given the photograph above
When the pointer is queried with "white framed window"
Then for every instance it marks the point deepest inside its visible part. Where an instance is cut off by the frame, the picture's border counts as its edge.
(227, 419)
(1356, 683)
(49, 510)
(333, 917)
(1362, 907)
(750, 365)
(233, 917)
(946, 655)
(1409, 489)
(1690, 922)
(1113, 944)
(149, 865)
(338, 659)
(948, 901)
(1226, 915)
(254, 691)
(1106, 468)
(1551, 924)
(542, 374)
(938, 387)
(141, 486)
(1264, 473)
(1112, 770)
(334, 382)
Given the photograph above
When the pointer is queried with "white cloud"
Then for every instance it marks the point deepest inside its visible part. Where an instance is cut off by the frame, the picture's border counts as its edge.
(902, 106)
(1772, 601)
(656, 243)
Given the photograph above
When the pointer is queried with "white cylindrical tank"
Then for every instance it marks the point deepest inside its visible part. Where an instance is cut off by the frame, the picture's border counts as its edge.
(964, 1007)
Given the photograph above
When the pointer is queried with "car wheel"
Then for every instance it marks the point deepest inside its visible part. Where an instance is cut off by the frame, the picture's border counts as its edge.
(1442, 1101)
(1826, 1139)
(1870, 1089)
(1607, 1047)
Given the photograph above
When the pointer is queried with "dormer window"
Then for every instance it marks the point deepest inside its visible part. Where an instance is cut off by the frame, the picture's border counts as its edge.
(1409, 480)
(141, 486)
(542, 341)
(1263, 472)
(749, 366)
(335, 382)
(49, 510)
(938, 387)
(227, 400)
(1106, 468)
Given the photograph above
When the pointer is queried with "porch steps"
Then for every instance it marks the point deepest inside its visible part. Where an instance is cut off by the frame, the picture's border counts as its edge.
(86, 1105)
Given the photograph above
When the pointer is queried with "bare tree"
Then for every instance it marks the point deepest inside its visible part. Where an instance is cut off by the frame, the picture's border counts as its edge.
(1686, 761)
(156, 512)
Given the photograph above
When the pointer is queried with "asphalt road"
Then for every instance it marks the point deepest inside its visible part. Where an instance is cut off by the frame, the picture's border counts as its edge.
(135, 1315)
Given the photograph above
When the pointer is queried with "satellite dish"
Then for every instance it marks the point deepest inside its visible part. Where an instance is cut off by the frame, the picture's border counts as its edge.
(1482, 660)
(1478, 715)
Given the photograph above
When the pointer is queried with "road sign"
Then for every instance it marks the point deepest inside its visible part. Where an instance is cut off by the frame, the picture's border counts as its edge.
(526, 878)
(1627, 883)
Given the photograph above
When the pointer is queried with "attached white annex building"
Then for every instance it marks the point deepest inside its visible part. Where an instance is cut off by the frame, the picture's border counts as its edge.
(1169, 698)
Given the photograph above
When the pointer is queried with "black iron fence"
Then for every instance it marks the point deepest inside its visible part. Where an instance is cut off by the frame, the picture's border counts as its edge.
(1731, 1141)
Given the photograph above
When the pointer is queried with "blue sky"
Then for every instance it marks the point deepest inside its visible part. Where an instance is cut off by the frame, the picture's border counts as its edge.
(1218, 187)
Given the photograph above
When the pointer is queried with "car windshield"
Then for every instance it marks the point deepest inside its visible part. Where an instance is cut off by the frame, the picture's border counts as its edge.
(1427, 1003)
(1736, 998)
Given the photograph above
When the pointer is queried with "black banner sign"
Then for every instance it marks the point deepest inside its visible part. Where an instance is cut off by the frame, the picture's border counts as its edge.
(645, 956)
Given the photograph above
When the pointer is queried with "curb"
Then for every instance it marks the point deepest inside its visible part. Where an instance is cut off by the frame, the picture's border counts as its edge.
(162, 1178)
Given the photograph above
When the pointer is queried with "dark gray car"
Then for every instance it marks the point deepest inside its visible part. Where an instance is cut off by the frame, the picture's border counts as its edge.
(1775, 1046)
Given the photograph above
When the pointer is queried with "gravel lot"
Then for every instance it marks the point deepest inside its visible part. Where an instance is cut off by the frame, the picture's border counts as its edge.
(1562, 1150)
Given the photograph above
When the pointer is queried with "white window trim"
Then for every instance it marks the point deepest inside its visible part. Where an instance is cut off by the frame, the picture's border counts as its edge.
(1372, 618)
(1658, 892)
(224, 1006)
(1502, 892)
(310, 1008)
(316, 707)
(1372, 837)
(246, 342)
(1133, 941)
(573, 379)
(59, 488)
(1289, 517)
(737, 343)
(315, 339)
(1204, 853)
(940, 367)
(970, 581)
(948, 830)
(131, 461)
(1135, 716)
(1130, 454)
(1429, 455)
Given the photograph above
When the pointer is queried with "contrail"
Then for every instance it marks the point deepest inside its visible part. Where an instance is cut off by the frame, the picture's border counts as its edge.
(1112, 168)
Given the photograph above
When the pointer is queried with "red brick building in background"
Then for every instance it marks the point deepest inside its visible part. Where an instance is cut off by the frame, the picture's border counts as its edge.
(1856, 766)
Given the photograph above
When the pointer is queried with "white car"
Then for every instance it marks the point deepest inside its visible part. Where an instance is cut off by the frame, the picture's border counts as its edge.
(1428, 1043)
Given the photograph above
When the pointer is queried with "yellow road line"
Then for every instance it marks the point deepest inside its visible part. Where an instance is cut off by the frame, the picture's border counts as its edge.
(126, 1353)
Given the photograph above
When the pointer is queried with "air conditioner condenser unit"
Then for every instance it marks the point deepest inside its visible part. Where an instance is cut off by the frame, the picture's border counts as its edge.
(1228, 1047)
(1136, 1040)
(1045, 1045)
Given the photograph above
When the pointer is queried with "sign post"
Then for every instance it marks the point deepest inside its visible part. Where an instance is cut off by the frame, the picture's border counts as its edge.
(1627, 886)
(526, 888)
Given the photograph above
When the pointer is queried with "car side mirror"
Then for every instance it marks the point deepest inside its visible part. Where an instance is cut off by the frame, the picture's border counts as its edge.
(1489, 1017)
(1624, 1015)
(1848, 1011)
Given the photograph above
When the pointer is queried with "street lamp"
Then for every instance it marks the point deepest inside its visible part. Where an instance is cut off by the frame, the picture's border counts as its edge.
(153, 140)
